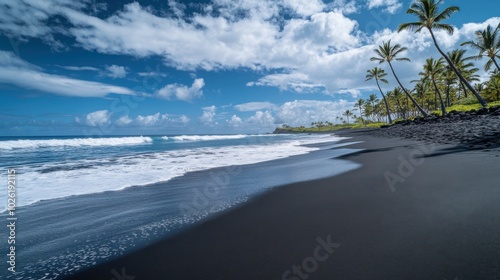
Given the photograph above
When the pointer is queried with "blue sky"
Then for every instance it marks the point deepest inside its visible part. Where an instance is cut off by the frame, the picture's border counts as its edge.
(89, 67)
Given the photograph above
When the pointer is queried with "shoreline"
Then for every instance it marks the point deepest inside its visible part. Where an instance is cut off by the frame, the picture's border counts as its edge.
(435, 222)
(118, 222)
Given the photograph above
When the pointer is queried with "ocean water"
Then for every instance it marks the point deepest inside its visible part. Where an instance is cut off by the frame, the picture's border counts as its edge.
(82, 201)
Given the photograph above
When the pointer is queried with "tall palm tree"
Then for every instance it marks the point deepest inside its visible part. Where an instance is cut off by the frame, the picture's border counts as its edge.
(388, 53)
(378, 74)
(432, 69)
(360, 104)
(488, 44)
(430, 18)
(347, 114)
(449, 78)
(397, 93)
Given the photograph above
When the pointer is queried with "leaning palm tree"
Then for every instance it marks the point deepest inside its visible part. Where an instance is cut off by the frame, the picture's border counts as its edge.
(432, 69)
(378, 74)
(388, 53)
(430, 18)
(488, 44)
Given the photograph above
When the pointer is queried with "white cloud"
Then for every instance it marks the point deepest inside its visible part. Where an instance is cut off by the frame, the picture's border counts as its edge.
(305, 7)
(115, 71)
(208, 115)
(303, 112)
(124, 120)
(254, 106)
(80, 68)
(183, 119)
(262, 119)
(234, 121)
(16, 71)
(295, 81)
(182, 92)
(98, 118)
(315, 48)
(391, 6)
(151, 74)
(153, 120)
(148, 120)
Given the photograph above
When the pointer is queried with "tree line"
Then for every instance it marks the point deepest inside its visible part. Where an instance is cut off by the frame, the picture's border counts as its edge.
(442, 82)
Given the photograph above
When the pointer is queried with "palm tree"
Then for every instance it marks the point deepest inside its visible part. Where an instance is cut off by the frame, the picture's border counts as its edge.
(466, 69)
(347, 114)
(492, 89)
(378, 74)
(432, 69)
(430, 18)
(488, 44)
(360, 104)
(397, 97)
(449, 78)
(387, 53)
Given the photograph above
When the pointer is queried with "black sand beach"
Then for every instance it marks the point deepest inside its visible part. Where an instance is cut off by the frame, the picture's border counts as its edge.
(437, 217)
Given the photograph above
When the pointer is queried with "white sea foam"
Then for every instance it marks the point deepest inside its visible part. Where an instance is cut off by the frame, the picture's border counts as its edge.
(205, 137)
(76, 142)
(62, 179)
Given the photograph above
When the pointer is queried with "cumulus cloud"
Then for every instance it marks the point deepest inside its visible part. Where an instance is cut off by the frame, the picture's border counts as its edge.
(208, 115)
(124, 120)
(391, 6)
(303, 112)
(310, 46)
(262, 119)
(15, 71)
(182, 119)
(234, 121)
(98, 118)
(148, 120)
(182, 92)
(115, 71)
(153, 120)
(254, 106)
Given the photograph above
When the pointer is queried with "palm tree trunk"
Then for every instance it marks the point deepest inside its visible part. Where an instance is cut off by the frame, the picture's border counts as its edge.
(496, 64)
(443, 108)
(407, 94)
(435, 100)
(469, 86)
(448, 95)
(361, 115)
(385, 101)
(463, 87)
(401, 108)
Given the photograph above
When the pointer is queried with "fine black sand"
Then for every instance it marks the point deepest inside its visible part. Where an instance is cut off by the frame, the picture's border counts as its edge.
(437, 217)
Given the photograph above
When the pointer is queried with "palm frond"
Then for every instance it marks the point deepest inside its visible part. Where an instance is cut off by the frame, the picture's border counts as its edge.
(446, 13)
(488, 65)
(446, 27)
(411, 26)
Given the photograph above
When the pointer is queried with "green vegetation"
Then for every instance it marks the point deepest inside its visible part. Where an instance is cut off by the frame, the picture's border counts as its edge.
(326, 127)
(467, 107)
(445, 83)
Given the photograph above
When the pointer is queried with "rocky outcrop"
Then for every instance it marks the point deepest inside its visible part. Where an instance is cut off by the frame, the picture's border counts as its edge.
(476, 129)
